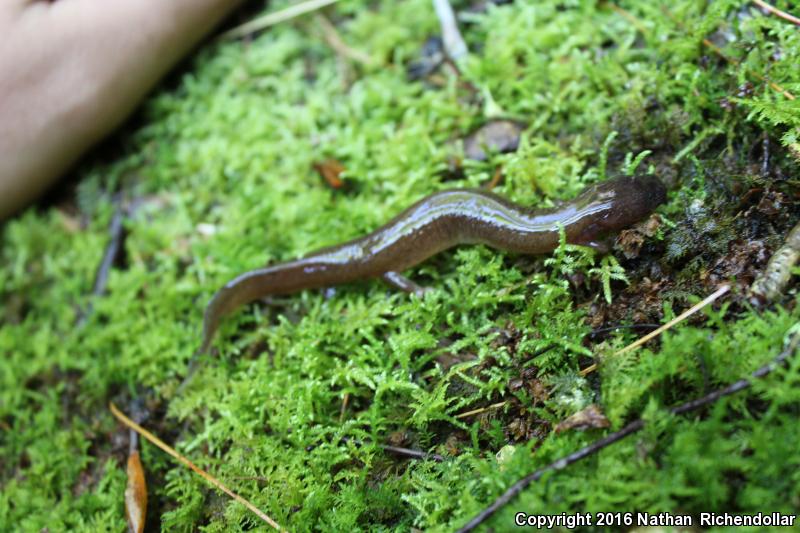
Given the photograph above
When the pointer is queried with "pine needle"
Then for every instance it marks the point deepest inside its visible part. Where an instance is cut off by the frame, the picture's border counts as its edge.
(481, 410)
(680, 318)
(335, 41)
(777, 12)
(270, 19)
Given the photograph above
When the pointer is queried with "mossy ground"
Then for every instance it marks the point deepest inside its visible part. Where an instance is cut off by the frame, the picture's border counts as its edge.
(220, 167)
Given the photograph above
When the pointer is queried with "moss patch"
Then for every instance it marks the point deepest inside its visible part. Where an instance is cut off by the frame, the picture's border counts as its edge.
(302, 391)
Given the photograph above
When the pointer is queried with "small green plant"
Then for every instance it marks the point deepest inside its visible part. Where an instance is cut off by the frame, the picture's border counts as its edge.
(609, 269)
(630, 164)
(603, 164)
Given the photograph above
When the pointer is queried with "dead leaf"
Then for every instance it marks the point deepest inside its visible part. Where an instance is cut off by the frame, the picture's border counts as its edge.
(398, 438)
(329, 170)
(452, 444)
(589, 418)
(135, 494)
(539, 391)
(631, 240)
(69, 222)
(772, 203)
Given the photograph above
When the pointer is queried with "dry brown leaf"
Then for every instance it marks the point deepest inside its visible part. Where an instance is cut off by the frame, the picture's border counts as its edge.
(330, 169)
(631, 240)
(589, 418)
(135, 494)
(69, 222)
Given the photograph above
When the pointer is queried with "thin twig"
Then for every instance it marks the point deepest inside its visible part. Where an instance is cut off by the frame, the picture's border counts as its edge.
(270, 19)
(414, 454)
(133, 441)
(333, 39)
(454, 45)
(627, 15)
(683, 316)
(772, 282)
(116, 233)
(186, 462)
(609, 329)
(777, 12)
(497, 177)
(406, 452)
(343, 410)
(116, 237)
(481, 410)
(631, 428)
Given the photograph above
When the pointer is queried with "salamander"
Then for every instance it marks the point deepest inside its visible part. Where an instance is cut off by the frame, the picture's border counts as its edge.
(438, 222)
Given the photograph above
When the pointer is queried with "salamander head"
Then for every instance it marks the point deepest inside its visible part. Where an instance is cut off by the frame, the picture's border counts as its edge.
(620, 202)
(634, 199)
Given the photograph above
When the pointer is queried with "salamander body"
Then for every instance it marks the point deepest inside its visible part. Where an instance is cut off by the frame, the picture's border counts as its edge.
(436, 223)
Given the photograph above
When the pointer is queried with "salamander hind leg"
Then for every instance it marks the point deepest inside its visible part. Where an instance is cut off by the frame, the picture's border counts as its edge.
(399, 281)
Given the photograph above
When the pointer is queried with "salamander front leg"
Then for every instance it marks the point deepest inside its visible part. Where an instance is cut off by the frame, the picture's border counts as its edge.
(399, 281)
(601, 246)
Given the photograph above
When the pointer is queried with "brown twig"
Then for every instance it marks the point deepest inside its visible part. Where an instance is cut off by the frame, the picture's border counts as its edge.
(481, 410)
(186, 462)
(497, 177)
(270, 19)
(341, 48)
(683, 316)
(631, 428)
(777, 12)
(629, 16)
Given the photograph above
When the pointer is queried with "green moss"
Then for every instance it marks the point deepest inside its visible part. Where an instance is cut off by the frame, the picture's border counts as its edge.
(222, 170)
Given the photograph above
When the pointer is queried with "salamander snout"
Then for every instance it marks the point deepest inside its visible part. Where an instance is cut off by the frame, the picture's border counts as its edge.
(632, 199)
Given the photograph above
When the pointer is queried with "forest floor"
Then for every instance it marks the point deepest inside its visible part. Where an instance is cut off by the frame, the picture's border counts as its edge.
(221, 171)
